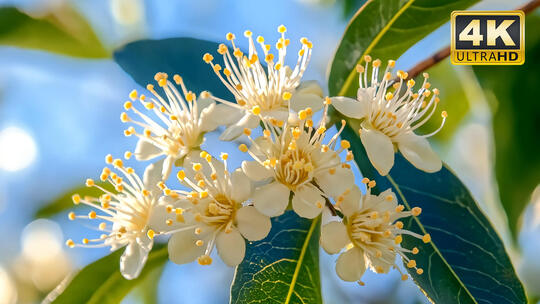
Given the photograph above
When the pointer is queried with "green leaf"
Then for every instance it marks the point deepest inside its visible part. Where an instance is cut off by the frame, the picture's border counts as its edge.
(63, 31)
(466, 261)
(284, 267)
(143, 59)
(101, 281)
(385, 29)
(65, 202)
(513, 90)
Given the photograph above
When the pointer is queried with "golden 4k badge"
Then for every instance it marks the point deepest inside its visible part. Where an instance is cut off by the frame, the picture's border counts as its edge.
(488, 37)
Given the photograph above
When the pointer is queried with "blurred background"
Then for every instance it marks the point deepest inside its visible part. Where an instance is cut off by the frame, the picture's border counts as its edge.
(60, 100)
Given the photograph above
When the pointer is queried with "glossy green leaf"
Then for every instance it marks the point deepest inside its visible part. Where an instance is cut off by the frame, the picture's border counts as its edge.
(466, 261)
(385, 29)
(101, 281)
(282, 268)
(62, 31)
(65, 202)
(513, 91)
(183, 56)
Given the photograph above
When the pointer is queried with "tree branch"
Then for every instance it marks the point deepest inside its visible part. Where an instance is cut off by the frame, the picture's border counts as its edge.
(445, 52)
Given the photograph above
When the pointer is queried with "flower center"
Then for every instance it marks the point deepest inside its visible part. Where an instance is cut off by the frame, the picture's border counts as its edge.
(221, 211)
(369, 229)
(387, 122)
(294, 168)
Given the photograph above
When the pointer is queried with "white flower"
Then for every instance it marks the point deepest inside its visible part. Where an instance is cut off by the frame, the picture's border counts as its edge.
(389, 118)
(294, 159)
(263, 91)
(370, 232)
(183, 120)
(221, 217)
(128, 214)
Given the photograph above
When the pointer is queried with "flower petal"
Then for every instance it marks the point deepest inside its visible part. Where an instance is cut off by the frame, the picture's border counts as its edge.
(240, 186)
(207, 119)
(256, 171)
(146, 150)
(152, 175)
(231, 247)
(351, 201)
(167, 167)
(334, 237)
(307, 94)
(307, 202)
(417, 150)
(335, 181)
(252, 224)
(351, 107)
(226, 115)
(350, 265)
(132, 261)
(182, 248)
(379, 148)
(234, 131)
(271, 199)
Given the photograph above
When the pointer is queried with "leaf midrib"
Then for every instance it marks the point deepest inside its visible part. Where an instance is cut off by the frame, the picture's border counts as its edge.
(300, 260)
(435, 248)
(378, 37)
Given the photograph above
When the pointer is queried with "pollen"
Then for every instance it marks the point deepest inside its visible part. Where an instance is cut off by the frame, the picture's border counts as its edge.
(128, 105)
(247, 131)
(415, 250)
(398, 239)
(372, 184)
(287, 96)
(197, 166)
(444, 114)
(367, 58)
(416, 211)
(404, 277)
(208, 58)
(133, 95)
(243, 148)
(70, 243)
(426, 238)
(177, 79)
(76, 199)
(419, 271)
(224, 156)
(181, 175)
(71, 216)
(89, 182)
(411, 264)
(359, 69)
(345, 144)
(204, 260)
(92, 215)
(230, 36)
(256, 110)
(199, 243)
(124, 117)
(151, 234)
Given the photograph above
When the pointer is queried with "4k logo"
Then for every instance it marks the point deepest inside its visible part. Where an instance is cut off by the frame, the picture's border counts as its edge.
(488, 37)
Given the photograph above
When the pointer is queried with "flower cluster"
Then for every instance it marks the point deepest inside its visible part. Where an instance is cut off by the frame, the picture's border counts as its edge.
(293, 163)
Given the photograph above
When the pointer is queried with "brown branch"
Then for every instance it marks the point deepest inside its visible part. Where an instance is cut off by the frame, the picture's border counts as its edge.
(445, 52)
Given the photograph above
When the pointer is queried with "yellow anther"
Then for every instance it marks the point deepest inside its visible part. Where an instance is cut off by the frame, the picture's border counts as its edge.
(201, 183)
(224, 156)
(302, 115)
(198, 230)
(145, 192)
(426, 238)
(177, 79)
(230, 36)
(133, 95)
(168, 222)
(345, 144)
(376, 63)
(427, 85)
(365, 180)
(238, 53)
(400, 208)
(282, 29)
(287, 96)
(180, 218)
(243, 148)
(150, 234)
(70, 243)
(92, 215)
(217, 68)
(203, 194)
(89, 182)
(389, 96)
(197, 166)
(105, 205)
(118, 163)
(204, 260)
(398, 239)
(150, 87)
(359, 69)
(124, 117)
(415, 250)
(85, 241)
(416, 211)
(321, 130)
(119, 188)
(199, 243)
(162, 82)
(379, 269)
(247, 131)
(71, 216)
(102, 226)
(419, 271)
(372, 184)
(444, 114)
(127, 154)
(410, 83)
(436, 91)
(208, 58)
(269, 58)
(411, 264)
(260, 39)
(128, 105)
(181, 175)
(404, 277)
(256, 110)
(147, 133)
(332, 171)
(391, 63)
(248, 33)
(426, 75)
(367, 58)
(399, 225)
(301, 52)
(76, 199)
